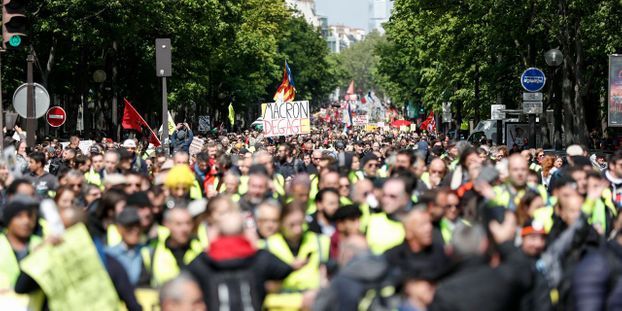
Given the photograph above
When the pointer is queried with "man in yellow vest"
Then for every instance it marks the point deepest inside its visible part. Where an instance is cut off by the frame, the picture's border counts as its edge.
(17, 242)
(258, 188)
(128, 251)
(172, 253)
(509, 193)
(385, 229)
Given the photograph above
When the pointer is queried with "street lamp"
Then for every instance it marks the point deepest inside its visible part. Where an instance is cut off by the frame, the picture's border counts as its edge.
(554, 58)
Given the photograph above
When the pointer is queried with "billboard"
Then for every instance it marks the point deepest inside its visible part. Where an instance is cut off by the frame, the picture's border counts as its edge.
(614, 98)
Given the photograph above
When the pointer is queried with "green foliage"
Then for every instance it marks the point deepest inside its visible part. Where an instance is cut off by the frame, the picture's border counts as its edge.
(223, 51)
(473, 51)
(360, 63)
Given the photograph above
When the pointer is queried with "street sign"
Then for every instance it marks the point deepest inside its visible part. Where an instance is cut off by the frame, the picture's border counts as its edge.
(42, 100)
(532, 107)
(532, 97)
(56, 116)
(496, 112)
(533, 79)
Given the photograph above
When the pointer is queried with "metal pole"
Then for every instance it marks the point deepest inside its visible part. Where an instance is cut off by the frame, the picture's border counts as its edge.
(1, 109)
(532, 130)
(165, 117)
(500, 133)
(31, 125)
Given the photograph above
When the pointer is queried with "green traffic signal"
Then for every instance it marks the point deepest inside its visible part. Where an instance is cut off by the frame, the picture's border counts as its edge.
(15, 41)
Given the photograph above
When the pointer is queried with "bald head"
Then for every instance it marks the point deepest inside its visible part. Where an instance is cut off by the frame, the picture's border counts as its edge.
(517, 170)
(418, 228)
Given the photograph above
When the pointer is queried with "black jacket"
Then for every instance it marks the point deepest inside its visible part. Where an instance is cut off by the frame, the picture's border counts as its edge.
(431, 260)
(477, 286)
(263, 265)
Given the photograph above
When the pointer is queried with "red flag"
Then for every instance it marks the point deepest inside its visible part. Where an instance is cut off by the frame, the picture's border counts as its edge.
(132, 120)
(429, 124)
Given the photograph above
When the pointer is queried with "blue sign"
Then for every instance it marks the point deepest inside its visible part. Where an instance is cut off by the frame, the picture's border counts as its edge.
(533, 80)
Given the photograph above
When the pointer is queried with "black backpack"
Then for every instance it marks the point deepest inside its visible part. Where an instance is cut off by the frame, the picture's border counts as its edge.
(233, 290)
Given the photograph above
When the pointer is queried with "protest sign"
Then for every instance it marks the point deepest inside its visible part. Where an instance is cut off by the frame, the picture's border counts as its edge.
(71, 274)
(204, 124)
(196, 146)
(360, 120)
(284, 119)
(370, 127)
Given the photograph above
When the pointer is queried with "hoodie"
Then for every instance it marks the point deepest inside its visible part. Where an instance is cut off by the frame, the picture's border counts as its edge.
(236, 255)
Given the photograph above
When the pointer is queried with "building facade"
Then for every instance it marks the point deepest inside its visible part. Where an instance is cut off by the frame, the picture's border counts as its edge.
(379, 13)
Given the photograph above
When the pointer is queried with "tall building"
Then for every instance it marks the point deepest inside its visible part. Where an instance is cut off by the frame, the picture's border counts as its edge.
(306, 8)
(341, 37)
(379, 13)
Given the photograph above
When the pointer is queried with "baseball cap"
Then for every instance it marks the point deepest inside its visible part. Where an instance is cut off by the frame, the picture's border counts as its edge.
(129, 143)
(139, 199)
(18, 204)
(129, 216)
(532, 227)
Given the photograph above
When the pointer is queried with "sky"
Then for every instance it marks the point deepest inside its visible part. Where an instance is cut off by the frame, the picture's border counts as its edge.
(353, 13)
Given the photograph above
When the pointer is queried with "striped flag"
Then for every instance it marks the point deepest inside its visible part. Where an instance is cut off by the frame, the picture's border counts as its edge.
(287, 90)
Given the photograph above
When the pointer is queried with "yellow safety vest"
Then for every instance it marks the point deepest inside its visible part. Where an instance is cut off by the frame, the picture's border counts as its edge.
(9, 271)
(314, 246)
(202, 236)
(93, 177)
(243, 187)
(315, 186)
(544, 215)
(162, 264)
(279, 185)
(384, 233)
(195, 191)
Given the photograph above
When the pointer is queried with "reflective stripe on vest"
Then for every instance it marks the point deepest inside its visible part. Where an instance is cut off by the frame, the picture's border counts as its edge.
(307, 277)
(383, 233)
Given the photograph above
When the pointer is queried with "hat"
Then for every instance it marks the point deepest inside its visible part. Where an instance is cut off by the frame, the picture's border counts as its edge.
(167, 165)
(574, 150)
(139, 199)
(346, 212)
(19, 203)
(129, 143)
(179, 175)
(128, 216)
(112, 180)
(368, 157)
(532, 226)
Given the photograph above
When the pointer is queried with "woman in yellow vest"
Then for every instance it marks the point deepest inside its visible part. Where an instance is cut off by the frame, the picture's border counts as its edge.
(18, 241)
(300, 248)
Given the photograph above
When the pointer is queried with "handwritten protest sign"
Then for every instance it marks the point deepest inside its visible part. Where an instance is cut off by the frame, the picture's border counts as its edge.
(71, 274)
(284, 119)
(360, 120)
(196, 146)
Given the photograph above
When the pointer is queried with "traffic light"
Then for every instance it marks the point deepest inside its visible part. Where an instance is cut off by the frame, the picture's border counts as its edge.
(13, 23)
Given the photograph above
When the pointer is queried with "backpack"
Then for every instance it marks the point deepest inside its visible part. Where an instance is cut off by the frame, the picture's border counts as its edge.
(233, 290)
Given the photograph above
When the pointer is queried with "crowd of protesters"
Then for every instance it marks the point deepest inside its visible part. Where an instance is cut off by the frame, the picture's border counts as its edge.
(333, 220)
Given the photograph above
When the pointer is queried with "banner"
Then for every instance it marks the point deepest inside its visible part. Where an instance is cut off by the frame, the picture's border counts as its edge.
(614, 106)
(71, 274)
(284, 119)
(196, 145)
(360, 120)
(205, 124)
